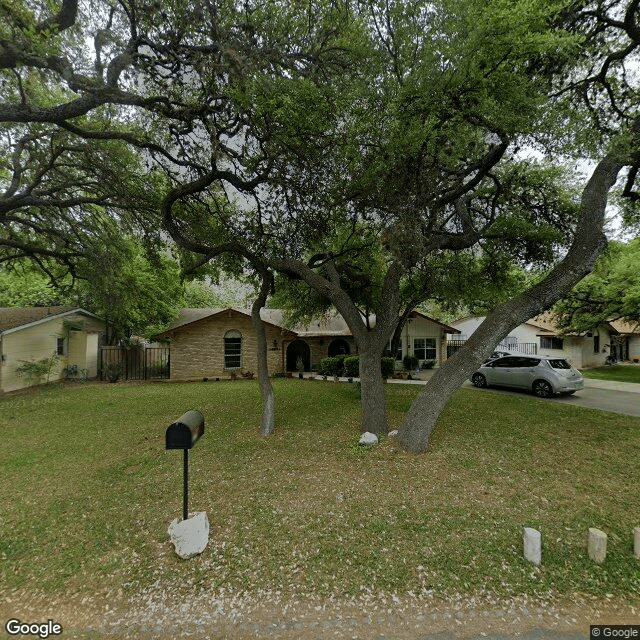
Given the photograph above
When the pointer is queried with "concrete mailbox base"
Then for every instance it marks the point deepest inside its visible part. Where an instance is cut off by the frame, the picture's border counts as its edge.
(190, 537)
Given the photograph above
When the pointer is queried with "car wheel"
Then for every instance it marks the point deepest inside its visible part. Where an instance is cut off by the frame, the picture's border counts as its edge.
(569, 393)
(479, 381)
(542, 389)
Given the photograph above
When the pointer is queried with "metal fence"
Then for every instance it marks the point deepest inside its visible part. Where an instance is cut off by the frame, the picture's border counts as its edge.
(150, 363)
(527, 348)
(454, 345)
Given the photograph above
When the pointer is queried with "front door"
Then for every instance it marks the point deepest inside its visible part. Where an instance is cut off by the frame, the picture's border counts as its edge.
(298, 354)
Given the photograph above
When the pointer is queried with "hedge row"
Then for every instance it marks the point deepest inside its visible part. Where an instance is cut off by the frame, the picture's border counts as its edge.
(350, 366)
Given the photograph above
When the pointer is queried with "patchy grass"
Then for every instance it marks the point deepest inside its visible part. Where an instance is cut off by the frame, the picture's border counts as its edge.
(88, 493)
(618, 372)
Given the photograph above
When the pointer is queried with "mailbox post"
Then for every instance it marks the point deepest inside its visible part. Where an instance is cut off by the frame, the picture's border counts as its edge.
(183, 434)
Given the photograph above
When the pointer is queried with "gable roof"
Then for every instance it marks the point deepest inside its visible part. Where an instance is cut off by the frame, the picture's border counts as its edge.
(623, 327)
(330, 324)
(190, 316)
(537, 323)
(16, 318)
(446, 327)
(546, 326)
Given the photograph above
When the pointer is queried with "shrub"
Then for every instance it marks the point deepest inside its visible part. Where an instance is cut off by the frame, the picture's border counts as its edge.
(339, 364)
(71, 372)
(410, 362)
(158, 370)
(34, 371)
(387, 366)
(112, 371)
(352, 366)
(331, 366)
(323, 367)
(428, 364)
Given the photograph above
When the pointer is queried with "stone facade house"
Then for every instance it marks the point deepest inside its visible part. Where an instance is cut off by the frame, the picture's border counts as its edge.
(35, 333)
(208, 343)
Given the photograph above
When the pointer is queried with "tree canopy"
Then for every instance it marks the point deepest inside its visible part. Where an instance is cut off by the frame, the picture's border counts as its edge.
(610, 292)
(135, 292)
(302, 139)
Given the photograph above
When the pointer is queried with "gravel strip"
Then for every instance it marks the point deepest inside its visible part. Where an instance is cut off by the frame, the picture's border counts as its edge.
(160, 612)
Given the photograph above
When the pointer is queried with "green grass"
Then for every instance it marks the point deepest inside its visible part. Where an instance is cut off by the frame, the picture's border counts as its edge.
(618, 372)
(89, 491)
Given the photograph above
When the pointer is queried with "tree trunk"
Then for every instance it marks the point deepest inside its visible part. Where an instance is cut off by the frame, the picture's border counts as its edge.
(588, 242)
(397, 334)
(373, 398)
(268, 422)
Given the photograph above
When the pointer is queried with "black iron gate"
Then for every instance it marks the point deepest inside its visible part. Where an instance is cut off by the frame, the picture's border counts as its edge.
(150, 363)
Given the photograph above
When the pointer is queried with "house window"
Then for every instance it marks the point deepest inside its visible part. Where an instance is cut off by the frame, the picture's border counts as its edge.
(596, 344)
(61, 347)
(232, 350)
(551, 342)
(424, 348)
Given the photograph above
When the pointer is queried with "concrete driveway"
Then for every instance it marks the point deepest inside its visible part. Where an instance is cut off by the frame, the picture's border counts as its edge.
(604, 395)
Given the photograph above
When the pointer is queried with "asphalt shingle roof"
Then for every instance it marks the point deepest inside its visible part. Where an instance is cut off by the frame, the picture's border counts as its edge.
(12, 317)
(331, 324)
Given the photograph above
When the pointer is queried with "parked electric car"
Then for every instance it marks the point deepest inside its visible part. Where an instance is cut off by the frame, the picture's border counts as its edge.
(544, 375)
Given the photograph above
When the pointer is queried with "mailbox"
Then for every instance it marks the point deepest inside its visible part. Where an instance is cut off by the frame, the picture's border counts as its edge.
(185, 431)
(183, 434)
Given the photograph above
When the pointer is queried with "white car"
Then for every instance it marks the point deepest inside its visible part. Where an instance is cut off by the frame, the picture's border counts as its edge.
(544, 375)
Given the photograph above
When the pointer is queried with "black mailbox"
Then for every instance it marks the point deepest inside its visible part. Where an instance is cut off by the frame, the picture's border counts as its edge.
(185, 431)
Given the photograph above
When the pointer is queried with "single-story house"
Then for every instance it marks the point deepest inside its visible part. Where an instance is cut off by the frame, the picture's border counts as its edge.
(217, 342)
(626, 344)
(540, 335)
(34, 333)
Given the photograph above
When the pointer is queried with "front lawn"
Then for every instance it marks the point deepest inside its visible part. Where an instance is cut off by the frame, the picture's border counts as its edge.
(618, 372)
(88, 493)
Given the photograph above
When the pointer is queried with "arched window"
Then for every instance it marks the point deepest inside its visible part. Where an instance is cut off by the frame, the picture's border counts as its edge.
(339, 347)
(232, 350)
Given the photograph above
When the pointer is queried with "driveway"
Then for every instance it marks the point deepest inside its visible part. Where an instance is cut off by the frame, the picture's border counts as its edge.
(604, 395)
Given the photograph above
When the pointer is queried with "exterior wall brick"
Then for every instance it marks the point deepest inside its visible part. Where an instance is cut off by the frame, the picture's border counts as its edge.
(197, 349)
(320, 347)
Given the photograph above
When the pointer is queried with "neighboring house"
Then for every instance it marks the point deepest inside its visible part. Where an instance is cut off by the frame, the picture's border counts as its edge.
(540, 335)
(36, 333)
(626, 345)
(218, 342)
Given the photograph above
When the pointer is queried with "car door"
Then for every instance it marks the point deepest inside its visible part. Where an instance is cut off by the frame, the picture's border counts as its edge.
(502, 371)
(524, 372)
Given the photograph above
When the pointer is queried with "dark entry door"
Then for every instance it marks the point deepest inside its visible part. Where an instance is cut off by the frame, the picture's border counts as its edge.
(298, 349)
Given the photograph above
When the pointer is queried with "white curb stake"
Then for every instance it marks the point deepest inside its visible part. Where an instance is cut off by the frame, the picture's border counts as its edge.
(597, 545)
(532, 541)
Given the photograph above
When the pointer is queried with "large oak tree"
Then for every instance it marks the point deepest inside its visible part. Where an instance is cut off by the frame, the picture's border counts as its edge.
(270, 127)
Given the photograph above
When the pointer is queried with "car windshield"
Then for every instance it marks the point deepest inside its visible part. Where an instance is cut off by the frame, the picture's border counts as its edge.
(559, 364)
